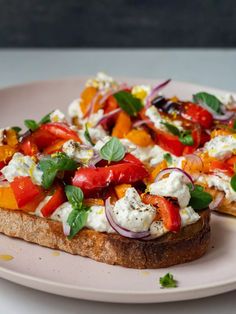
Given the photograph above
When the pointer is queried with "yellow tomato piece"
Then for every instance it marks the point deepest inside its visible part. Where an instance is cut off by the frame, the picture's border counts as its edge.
(11, 137)
(6, 152)
(122, 126)
(7, 198)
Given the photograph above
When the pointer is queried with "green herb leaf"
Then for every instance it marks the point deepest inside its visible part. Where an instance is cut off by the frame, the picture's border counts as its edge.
(199, 198)
(77, 220)
(75, 196)
(168, 281)
(31, 125)
(17, 129)
(186, 138)
(128, 103)
(234, 125)
(210, 100)
(168, 158)
(87, 135)
(171, 128)
(46, 119)
(233, 182)
(50, 166)
(113, 150)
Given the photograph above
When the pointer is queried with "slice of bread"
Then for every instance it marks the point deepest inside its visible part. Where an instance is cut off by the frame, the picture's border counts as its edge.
(170, 249)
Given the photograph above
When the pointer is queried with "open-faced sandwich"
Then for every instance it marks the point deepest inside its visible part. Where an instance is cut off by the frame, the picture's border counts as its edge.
(129, 182)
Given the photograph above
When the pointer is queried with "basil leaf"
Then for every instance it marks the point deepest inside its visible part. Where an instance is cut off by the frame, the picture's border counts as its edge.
(50, 166)
(128, 103)
(75, 196)
(46, 119)
(233, 182)
(17, 129)
(113, 150)
(186, 138)
(31, 125)
(168, 281)
(171, 128)
(77, 220)
(199, 198)
(209, 100)
(234, 125)
(168, 158)
(87, 135)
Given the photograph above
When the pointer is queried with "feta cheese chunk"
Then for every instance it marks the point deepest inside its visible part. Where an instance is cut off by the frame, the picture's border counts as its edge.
(157, 229)
(97, 220)
(102, 82)
(153, 114)
(131, 213)
(74, 150)
(172, 186)
(22, 166)
(222, 146)
(57, 116)
(74, 109)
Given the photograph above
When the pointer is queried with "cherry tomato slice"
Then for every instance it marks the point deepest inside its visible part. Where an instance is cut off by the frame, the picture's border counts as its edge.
(198, 114)
(55, 201)
(60, 130)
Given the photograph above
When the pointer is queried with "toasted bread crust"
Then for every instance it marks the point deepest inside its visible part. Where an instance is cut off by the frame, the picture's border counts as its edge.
(187, 245)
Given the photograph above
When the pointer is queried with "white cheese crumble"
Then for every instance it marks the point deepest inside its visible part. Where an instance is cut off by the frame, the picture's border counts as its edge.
(131, 213)
(220, 182)
(153, 114)
(102, 82)
(74, 109)
(229, 101)
(22, 166)
(75, 151)
(172, 186)
(62, 212)
(222, 146)
(188, 216)
(57, 116)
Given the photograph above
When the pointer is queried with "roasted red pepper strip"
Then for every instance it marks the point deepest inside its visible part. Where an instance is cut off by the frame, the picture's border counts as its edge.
(56, 200)
(130, 170)
(24, 190)
(60, 130)
(168, 210)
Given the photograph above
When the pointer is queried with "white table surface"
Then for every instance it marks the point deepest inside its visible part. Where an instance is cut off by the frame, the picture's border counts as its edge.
(215, 68)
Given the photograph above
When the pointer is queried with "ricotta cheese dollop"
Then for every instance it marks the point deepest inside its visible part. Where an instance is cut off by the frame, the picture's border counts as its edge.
(75, 151)
(172, 186)
(131, 213)
(22, 166)
(222, 146)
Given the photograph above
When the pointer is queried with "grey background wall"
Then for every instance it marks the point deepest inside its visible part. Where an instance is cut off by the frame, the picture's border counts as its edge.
(117, 23)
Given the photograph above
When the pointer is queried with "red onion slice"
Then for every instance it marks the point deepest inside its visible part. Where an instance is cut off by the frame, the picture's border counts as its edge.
(108, 116)
(122, 231)
(194, 163)
(141, 122)
(154, 91)
(112, 92)
(91, 105)
(217, 200)
(165, 171)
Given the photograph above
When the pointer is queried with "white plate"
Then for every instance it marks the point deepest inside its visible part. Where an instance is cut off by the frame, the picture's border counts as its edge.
(79, 277)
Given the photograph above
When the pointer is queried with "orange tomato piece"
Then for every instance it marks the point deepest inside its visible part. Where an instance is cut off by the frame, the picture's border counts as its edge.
(121, 189)
(7, 198)
(122, 126)
(218, 132)
(11, 137)
(6, 152)
(160, 166)
(140, 137)
(231, 161)
(94, 202)
(87, 96)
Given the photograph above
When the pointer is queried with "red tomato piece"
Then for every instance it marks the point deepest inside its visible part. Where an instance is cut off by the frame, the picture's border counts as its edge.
(56, 200)
(24, 190)
(168, 210)
(221, 166)
(28, 147)
(55, 147)
(170, 143)
(60, 130)
(198, 114)
(43, 138)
